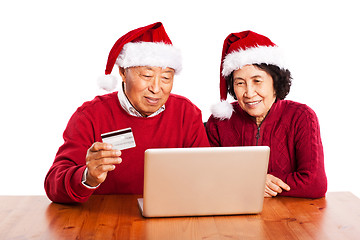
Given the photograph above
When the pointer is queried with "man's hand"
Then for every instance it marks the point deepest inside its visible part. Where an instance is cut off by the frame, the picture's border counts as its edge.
(100, 159)
(274, 186)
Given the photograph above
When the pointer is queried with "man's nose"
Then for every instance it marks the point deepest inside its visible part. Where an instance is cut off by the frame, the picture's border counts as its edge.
(154, 86)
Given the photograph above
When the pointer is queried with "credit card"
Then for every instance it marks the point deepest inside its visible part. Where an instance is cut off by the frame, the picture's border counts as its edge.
(120, 139)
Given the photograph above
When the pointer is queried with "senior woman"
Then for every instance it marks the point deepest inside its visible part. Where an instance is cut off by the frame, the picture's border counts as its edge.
(253, 73)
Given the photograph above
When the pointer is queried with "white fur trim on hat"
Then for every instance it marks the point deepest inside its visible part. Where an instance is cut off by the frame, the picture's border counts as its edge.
(156, 54)
(254, 55)
(222, 110)
(107, 82)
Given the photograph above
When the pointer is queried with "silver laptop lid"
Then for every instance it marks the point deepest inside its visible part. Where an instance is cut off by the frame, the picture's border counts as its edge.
(204, 181)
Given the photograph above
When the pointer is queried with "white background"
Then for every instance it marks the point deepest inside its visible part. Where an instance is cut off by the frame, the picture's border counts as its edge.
(52, 52)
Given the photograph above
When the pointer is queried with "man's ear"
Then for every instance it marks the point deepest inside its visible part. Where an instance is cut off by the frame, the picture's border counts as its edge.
(122, 73)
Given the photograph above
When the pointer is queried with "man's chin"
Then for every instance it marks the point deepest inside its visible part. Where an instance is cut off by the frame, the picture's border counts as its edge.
(150, 110)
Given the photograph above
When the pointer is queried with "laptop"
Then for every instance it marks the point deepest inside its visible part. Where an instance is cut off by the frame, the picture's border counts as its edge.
(204, 181)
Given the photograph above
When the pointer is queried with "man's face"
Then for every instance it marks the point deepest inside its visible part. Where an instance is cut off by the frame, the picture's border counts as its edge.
(147, 88)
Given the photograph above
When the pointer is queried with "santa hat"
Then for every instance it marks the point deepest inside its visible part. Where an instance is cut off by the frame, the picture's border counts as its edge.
(240, 49)
(145, 46)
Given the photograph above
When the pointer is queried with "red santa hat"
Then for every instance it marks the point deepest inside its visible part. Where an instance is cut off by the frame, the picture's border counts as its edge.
(145, 46)
(240, 49)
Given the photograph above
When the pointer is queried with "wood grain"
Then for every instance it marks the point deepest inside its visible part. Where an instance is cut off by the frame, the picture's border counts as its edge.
(117, 217)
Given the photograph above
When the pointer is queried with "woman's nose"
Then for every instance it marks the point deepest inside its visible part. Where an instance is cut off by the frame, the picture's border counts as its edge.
(250, 91)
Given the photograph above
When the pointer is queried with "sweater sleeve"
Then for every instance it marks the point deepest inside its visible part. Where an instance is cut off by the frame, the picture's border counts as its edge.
(309, 178)
(212, 132)
(196, 136)
(63, 181)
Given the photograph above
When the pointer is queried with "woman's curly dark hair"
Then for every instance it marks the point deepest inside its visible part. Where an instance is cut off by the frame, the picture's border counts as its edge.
(281, 80)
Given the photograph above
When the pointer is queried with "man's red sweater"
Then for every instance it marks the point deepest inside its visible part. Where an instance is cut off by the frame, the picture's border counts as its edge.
(180, 125)
(292, 132)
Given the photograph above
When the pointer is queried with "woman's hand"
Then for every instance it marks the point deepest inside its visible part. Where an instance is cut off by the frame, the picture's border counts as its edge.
(100, 159)
(274, 186)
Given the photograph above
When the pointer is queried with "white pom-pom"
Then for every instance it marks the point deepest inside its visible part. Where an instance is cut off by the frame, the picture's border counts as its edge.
(107, 82)
(222, 110)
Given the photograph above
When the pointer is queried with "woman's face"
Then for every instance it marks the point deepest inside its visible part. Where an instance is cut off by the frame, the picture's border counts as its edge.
(254, 90)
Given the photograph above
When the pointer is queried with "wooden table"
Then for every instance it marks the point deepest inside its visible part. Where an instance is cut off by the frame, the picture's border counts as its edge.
(117, 217)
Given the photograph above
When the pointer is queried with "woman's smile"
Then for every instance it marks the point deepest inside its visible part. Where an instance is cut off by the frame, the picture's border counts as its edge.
(253, 104)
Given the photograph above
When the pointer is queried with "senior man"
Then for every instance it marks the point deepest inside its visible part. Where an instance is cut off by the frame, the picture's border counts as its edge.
(143, 109)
